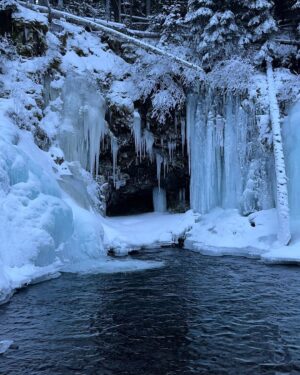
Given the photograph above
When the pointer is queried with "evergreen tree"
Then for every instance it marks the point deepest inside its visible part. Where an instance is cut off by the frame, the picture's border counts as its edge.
(257, 19)
(169, 22)
(214, 29)
(222, 28)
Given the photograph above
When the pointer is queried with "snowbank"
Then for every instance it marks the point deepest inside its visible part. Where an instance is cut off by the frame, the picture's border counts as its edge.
(44, 229)
(123, 234)
(226, 232)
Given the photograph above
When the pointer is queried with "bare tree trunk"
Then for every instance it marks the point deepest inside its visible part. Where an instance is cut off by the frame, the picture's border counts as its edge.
(119, 10)
(107, 10)
(49, 11)
(148, 8)
(284, 234)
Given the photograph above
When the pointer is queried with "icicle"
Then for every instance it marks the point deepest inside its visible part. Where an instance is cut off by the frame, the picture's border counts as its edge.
(221, 157)
(159, 160)
(171, 148)
(114, 151)
(83, 126)
(137, 132)
(166, 167)
(149, 142)
(291, 138)
(159, 200)
(182, 134)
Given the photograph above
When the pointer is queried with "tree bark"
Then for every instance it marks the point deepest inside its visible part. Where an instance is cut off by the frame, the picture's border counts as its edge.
(107, 10)
(148, 8)
(284, 234)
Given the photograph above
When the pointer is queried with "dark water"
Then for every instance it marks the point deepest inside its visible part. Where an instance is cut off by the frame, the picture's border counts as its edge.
(197, 315)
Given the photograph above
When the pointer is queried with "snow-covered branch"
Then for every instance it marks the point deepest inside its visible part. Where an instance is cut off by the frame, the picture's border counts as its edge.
(114, 33)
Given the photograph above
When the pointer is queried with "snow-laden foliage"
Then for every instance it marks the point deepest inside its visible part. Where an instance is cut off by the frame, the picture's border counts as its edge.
(235, 74)
(161, 80)
(219, 28)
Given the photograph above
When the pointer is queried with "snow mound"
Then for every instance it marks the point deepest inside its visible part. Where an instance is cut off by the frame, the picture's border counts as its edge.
(151, 230)
(42, 227)
(226, 232)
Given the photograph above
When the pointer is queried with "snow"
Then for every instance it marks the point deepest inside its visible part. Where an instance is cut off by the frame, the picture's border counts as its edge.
(226, 232)
(151, 230)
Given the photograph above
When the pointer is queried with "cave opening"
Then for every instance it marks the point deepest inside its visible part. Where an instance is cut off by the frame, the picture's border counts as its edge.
(130, 203)
(5, 22)
(124, 203)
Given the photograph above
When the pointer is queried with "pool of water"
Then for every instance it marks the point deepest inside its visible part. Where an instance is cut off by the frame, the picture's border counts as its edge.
(196, 315)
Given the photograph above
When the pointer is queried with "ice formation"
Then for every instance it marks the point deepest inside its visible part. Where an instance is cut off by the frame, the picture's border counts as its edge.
(223, 152)
(159, 200)
(114, 151)
(83, 123)
(137, 132)
(148, 139)
(171, 149)
(291, 137)
(159, 161)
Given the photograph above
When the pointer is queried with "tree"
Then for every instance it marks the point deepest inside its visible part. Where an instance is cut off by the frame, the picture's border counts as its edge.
(223, 28)
(169, 22)
(284, 235)
(215, 32)
(257, 19)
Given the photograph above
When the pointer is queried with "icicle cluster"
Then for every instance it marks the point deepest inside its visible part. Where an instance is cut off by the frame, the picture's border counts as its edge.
(228, 168)
(84, 124)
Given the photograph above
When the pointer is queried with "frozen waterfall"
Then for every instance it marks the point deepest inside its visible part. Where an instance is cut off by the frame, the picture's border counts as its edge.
(83, 123)
(159, 200)
(228, 167)
(291, 136)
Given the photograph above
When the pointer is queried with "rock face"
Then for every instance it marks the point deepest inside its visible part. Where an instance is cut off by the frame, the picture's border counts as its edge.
(138, 154)
(28, 33)
(144, 164)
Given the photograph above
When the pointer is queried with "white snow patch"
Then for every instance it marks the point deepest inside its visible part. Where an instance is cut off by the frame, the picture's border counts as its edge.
(226, 232)
(145, 231)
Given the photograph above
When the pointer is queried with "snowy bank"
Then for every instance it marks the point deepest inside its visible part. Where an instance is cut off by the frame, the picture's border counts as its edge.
(225, 232)
(123, 234)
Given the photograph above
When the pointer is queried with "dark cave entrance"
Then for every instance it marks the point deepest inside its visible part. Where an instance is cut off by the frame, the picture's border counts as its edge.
(124, 203)
(6, 22)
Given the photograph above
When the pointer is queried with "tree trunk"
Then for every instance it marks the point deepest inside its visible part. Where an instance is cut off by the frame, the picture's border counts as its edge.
(49, 11)
(284, 234)
(148, 8)
(107, 10)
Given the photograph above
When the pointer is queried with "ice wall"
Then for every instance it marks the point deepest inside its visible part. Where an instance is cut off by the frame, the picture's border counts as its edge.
(291, 138)
(228, 167)
(83, 123)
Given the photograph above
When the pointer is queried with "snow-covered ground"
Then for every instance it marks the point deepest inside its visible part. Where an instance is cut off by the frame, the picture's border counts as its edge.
(226, 232)
(150, 230)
